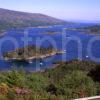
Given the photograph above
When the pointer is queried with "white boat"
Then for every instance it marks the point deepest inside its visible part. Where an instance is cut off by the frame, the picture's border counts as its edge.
(30, 61)
(68, 37)
(41, 63)
(87, 56)
(64, 50)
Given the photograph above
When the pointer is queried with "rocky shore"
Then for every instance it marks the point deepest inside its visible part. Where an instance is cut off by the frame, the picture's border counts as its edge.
(36, 56)
(32, 52)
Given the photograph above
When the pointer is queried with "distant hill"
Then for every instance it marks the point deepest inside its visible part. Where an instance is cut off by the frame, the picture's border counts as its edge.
(95, 29)
(16, 19)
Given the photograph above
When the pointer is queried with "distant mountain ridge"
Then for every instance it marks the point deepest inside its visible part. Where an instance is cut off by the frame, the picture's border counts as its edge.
(9, 18)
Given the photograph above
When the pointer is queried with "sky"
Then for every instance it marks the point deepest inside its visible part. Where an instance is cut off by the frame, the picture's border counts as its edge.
(73, 10)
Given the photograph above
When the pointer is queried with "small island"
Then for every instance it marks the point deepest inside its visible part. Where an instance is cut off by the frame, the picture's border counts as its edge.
(95, 29)
(52, 32)
(29, 53)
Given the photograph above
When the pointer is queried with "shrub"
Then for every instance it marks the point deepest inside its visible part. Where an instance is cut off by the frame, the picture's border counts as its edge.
(16, 79)
(52, 89)
(2, 97)
(76, 84)
(66, 68)
(3, 89)
(2, 78)
(95, 73)
(36, 82)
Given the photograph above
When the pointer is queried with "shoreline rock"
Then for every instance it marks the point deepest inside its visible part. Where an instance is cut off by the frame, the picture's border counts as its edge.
(36, 57)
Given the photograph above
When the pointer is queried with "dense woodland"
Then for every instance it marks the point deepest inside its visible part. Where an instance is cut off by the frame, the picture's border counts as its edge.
(68, 80)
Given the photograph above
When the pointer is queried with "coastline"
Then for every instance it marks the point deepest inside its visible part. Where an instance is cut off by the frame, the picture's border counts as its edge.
(36, 57)
(2, 34)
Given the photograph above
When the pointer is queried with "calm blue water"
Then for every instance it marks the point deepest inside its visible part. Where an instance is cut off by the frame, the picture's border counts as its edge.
(68, 38)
